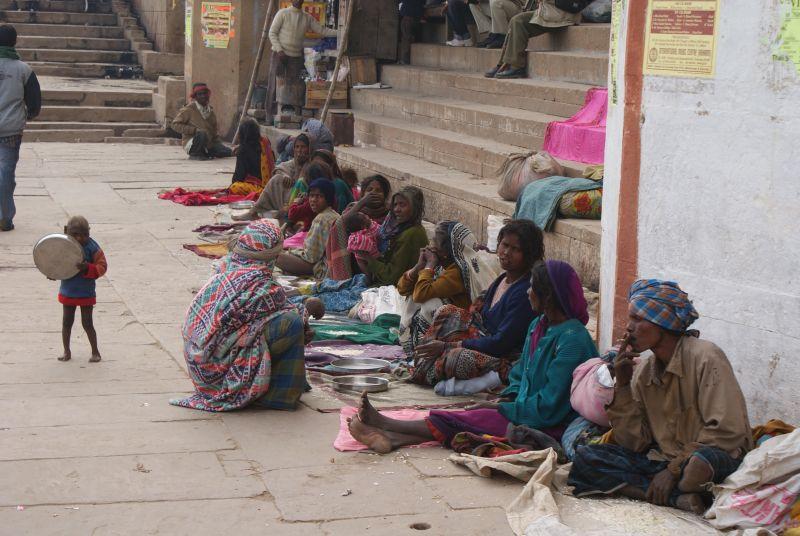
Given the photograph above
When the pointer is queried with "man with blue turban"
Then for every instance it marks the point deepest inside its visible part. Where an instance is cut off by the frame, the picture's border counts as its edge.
(679, 420)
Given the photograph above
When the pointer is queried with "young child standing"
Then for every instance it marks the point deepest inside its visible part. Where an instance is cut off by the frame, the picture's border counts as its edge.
(79, 291)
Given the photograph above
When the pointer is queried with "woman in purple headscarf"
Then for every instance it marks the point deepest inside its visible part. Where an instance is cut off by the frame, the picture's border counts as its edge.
(539, 384)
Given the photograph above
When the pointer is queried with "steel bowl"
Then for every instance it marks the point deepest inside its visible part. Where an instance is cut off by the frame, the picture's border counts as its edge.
(242, 205)
(370, 384)
(57, 256)
(360, 365)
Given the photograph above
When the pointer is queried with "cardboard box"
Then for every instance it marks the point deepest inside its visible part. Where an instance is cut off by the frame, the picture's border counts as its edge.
(317, 92)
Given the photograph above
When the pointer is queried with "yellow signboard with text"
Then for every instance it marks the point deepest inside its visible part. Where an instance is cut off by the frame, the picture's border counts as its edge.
(681, 38)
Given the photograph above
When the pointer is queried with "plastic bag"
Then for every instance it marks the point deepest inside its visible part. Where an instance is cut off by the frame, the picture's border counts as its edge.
(597, 11)
(378, 301)
(521, 169)
(493, 226)
(591, 392)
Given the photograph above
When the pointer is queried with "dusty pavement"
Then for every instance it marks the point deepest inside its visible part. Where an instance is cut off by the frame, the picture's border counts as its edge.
(96, 449)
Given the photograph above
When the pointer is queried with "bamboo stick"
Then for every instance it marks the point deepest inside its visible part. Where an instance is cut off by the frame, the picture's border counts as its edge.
(256, 65)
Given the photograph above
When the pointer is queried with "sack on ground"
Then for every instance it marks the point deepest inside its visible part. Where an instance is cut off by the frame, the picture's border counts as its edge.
(521, 169)
(597, 11)
(763, 492)
(586, 205)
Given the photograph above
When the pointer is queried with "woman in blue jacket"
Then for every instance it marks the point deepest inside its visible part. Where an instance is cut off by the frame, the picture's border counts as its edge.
(464, 344)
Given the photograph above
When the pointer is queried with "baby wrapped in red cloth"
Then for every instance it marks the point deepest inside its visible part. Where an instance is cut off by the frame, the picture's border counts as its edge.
(362, 241)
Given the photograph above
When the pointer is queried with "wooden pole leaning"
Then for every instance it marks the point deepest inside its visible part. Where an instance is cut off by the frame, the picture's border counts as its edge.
(342, 49)
(256, 65)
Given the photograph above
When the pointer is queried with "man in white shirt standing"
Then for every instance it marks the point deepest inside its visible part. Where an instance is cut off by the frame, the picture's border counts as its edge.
(287, 34)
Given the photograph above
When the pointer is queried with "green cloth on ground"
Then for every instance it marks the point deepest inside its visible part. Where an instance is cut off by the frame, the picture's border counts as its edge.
(538, 202)
(402, 254)
(9, 53)
(383, 331)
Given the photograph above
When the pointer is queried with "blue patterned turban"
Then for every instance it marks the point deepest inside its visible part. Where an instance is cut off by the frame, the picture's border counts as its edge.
(663, 303)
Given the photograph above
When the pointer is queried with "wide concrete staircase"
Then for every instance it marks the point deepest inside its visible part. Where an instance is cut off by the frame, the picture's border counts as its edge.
(77, 56)
(447, 129)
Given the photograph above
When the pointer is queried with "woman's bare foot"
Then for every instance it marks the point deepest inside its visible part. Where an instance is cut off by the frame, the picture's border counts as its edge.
(66, 356)
(691, 502)
(95, 358)
(367, 413)
(369, 436)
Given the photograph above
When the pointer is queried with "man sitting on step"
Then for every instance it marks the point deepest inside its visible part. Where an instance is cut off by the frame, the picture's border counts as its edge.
(545, 18)
(679, 420)
(197, 122)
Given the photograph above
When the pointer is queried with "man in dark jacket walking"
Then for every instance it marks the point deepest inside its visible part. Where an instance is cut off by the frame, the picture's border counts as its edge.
(20, 100)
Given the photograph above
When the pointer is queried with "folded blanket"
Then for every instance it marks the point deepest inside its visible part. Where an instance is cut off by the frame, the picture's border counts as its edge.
(539, 200)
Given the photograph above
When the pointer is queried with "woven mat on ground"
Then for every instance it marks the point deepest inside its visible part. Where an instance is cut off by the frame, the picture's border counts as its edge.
(401, 395)
(208, 251)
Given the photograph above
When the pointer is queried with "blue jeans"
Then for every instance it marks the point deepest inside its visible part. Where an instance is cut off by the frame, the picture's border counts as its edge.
(9, 156)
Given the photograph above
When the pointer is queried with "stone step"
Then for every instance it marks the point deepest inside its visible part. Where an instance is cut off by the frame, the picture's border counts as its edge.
(561, 99)
(454, 195)
(117, 129)
(89, 114)
(522, 128)
(475, 156)
(152, 131)
(77, 56)
(125, 99)
(72, 43)
(79, 70)
(66, 30)
(582, 67)
(588, 36)
(142, 140)
(69, 136)
(76, 6)
(59, 17)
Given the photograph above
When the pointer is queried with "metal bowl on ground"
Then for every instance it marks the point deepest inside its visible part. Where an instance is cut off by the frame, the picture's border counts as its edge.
(57, 256)
(240, 208)
(360, 365)
(370, 384)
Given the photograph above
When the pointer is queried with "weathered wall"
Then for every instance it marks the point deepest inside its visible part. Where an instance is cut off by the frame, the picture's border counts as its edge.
(719, 202)
(227, 70)
(163, 21)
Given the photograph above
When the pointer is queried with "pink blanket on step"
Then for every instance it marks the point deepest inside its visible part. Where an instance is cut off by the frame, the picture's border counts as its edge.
(581, 138)
(344, 441)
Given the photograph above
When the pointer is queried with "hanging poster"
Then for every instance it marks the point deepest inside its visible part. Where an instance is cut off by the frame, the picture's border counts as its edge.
(315, 9)
(617, 8)
(681, 38)
(188, 23)
(215, 24)
(789, 35)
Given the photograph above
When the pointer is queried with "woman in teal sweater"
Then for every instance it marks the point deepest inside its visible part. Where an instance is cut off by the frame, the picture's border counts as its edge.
(539, 384)
(400, 238)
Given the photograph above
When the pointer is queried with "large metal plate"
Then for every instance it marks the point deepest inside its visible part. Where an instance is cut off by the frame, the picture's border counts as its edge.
(357, 365)
(370, 384)
(57, 256)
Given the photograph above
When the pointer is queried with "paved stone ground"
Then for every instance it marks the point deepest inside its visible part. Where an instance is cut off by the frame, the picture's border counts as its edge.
(96, 448)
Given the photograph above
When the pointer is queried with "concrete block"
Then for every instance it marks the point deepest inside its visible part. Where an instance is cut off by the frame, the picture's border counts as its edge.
(170, 96)
(77, 56)
(156, 64)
